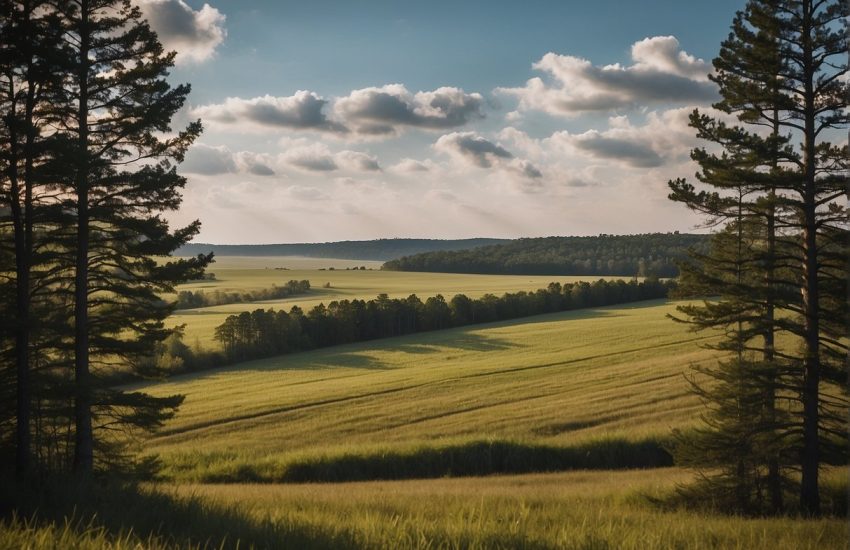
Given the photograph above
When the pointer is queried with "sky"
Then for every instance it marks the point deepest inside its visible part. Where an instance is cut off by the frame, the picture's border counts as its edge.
(327, 121)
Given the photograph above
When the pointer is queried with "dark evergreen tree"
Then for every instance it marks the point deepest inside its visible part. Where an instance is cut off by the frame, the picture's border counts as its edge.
(115, 118)
(28, 81)
(778, 69)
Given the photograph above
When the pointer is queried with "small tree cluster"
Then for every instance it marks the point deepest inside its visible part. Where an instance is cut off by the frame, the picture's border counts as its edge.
(264, 333)
(187, 299)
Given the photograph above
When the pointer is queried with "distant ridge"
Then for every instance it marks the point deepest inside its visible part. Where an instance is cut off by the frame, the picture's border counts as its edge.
(378, 250)
(625, 255)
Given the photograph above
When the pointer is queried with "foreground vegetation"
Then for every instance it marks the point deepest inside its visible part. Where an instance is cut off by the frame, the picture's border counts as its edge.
(575, 510)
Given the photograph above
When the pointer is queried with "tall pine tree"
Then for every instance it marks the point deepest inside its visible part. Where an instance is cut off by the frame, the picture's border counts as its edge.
(121, 153)
(780, 70)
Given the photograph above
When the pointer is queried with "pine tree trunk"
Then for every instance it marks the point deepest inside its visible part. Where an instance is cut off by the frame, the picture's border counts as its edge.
(84, 437)
(23, 442)
(810, 460)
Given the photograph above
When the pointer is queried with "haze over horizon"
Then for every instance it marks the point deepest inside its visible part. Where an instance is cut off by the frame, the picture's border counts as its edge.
(440, 121)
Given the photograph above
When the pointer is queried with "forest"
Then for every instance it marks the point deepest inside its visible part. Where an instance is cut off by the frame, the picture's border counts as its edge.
(378, 249)
(264, 333)
(646, 255)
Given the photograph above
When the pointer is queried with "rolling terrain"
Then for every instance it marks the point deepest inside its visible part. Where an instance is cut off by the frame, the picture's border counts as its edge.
(241, 273)
(558, 379)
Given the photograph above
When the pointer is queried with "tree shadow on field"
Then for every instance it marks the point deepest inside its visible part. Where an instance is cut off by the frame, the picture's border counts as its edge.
(360, 355)
(153, 517)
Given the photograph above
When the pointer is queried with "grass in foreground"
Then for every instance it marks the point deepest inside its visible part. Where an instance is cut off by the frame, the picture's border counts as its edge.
(576, 510)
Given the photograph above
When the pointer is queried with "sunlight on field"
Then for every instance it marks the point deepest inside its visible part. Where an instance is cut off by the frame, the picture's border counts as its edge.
(567, 510)
(236, 273)
(555, 379)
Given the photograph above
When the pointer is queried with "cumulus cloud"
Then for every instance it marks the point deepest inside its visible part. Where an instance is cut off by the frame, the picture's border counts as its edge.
(303, 110)
(209, 161)
(412, 165)
(483, 153)
(355, 160)
(317, 157)
(663, 138)
(194, 34)
(629, 151)
(661, 73)
(254, 163)
(385, 110)
(472, 147)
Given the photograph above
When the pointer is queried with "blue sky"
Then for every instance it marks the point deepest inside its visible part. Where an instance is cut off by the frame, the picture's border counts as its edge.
(356, 120)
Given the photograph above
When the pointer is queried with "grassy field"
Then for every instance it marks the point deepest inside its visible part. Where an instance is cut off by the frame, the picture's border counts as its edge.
(556, 379)
(236, 273)
(595, 388)
(572, 511)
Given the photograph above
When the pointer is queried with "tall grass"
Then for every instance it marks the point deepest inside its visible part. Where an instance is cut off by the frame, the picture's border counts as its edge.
(472, 458)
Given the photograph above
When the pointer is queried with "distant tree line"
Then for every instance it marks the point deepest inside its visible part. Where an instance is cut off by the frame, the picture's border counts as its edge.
(188, 299)
(654, 254)
(266, 332)
(378, 249)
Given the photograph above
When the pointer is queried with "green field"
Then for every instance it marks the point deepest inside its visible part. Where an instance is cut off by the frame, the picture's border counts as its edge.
(238, 273)
(603, 383)
(555, 379)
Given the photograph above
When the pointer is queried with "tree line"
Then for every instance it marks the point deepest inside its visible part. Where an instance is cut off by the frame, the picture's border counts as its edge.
(654, 254)
(87, 170)
(266, 332)
(189, 299)
(775, 188)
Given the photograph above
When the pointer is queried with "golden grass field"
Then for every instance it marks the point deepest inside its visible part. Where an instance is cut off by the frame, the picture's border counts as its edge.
(558, 380)
(241, 273)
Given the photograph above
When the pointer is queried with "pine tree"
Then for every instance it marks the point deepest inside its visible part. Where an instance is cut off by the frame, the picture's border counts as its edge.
(778, 70)
(27, 82)
(115, 119)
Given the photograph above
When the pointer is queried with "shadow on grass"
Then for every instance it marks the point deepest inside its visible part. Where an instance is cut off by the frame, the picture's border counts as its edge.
(103, 513)
(476, 458)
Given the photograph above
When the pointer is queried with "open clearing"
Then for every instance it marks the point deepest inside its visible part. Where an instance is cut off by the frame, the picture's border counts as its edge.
(242, 273)
(554, 379)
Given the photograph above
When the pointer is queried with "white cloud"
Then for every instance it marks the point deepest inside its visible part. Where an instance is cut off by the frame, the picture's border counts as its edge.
(474, 149)
(194, 34)
(661, 73)
(303, 110)
(355, 160)
(208, 160)
(388, 109)
(408, 165)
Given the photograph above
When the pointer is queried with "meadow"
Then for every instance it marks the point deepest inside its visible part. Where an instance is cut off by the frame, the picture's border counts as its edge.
(570, 413)
(243, 273)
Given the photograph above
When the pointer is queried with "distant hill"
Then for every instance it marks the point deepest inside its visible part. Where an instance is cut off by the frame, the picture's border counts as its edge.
(379, 250)
(626, 255)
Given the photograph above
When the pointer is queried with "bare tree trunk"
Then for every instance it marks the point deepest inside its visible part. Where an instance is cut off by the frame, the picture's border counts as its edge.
(810, 459)
(84, 437)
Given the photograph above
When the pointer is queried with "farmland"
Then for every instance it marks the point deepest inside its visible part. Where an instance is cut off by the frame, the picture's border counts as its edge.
(241, 273)
(524, 396)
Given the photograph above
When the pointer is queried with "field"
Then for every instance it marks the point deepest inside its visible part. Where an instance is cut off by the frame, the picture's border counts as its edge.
(612, 372)
(238, 273)
(420, 418)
